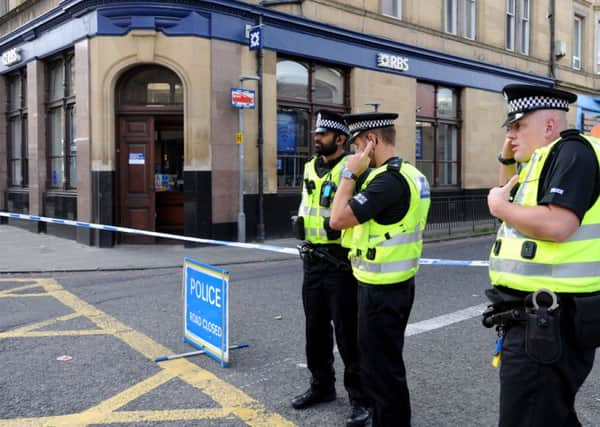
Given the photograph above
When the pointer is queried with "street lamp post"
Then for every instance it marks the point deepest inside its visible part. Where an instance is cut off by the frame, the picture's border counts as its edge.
(241, 215)
(374, 104)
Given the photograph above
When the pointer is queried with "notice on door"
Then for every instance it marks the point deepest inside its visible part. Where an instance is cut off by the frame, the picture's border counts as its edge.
(136, 158)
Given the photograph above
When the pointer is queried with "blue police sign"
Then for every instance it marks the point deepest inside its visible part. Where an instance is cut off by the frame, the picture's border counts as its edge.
(206, 309)
(255, 38)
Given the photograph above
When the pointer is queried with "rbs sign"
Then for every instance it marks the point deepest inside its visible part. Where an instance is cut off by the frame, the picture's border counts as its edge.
(394, 62)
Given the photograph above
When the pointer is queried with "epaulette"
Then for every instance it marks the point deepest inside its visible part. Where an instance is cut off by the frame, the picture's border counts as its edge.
(395, 164)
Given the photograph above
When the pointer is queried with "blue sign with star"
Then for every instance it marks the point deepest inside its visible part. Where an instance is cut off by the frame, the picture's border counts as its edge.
(255, 39)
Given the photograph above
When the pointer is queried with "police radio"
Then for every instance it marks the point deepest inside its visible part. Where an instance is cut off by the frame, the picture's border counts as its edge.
(327, 193)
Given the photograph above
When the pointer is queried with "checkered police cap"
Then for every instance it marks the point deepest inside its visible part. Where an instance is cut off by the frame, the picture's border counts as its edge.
(522, 99)
(330, 120)
(366, 121)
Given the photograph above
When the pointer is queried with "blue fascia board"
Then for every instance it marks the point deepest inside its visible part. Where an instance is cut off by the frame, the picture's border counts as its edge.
(589, 103)
(289, 34)
(55, 40)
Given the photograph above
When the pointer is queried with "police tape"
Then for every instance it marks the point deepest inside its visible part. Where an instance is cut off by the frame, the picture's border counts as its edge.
(262, 247)
(453, 262)
(102, 227)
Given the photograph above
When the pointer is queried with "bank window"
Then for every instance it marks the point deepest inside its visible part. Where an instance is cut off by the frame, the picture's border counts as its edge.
(437, 134)
(577, 41)
(392, 8)
(303, 87)
(16, 120)
(61, 130)
(460, 18)
(517, 26)
(151, 86)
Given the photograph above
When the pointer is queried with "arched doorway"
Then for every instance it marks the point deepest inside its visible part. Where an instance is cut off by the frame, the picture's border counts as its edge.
(150, 153)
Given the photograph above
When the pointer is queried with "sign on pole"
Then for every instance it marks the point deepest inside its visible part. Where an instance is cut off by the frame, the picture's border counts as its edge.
(206, 309)
(243, 98)
(255, 39)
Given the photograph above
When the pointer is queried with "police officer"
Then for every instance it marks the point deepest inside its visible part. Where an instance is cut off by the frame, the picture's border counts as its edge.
(545, 263)
(385, 220)
(328, 289)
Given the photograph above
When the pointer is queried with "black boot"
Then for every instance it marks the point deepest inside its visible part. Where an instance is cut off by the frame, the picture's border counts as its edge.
(358, 416)
(311, 397)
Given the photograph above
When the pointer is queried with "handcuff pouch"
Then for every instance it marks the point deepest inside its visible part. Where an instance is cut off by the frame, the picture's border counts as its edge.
(298, 227)
(542, 335)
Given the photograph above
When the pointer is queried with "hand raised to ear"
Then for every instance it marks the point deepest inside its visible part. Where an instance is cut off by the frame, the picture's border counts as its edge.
(359, 161)
(499, 197)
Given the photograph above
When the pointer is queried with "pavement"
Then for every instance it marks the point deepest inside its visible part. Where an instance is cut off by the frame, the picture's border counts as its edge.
(23, 251)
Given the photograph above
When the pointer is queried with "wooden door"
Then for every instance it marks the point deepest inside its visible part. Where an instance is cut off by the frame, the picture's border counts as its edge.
(136, 176)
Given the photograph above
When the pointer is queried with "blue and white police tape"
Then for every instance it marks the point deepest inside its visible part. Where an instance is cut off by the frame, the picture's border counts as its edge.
(453, 262)
(262, 247)
(102, 227)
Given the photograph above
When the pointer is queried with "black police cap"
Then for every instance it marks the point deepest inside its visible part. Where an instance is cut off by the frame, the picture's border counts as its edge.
(330, 120)
(361, 122)
(523, 99)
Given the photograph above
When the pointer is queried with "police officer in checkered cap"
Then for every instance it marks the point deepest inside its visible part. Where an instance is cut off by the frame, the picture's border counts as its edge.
(544, 265)
(328, 289)
(383, 212)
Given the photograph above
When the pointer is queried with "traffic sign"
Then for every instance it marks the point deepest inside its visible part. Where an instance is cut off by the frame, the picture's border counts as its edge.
(243, 98)
(206, 309)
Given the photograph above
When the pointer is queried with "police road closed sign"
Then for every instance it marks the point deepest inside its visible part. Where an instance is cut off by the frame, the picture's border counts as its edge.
(206, 309)
(242, 98)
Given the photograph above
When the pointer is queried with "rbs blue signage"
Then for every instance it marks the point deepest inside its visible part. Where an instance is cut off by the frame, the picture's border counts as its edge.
(206, 310)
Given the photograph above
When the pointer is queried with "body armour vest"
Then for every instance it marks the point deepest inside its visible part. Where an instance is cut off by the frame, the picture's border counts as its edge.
(523, 263)
(386, 254)
(317, 197)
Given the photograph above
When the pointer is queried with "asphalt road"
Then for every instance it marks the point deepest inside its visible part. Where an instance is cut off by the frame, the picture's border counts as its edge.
(113, 322)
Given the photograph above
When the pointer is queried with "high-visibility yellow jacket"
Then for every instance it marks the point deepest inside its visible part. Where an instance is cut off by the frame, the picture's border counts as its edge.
(386, 254)
(310, 207)
(527, 264)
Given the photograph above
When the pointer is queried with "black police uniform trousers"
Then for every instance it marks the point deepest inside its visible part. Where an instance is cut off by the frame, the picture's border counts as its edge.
(329, 294)
(542, 395)
(383, 312)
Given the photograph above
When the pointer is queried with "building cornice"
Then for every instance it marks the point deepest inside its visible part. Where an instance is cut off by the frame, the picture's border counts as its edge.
(225, 19)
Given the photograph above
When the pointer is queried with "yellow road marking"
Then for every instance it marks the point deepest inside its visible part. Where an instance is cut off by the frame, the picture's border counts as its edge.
(11, 292)
(74, 420)
(23, 295)
(70, 333)
(233, 402)
(40, 325)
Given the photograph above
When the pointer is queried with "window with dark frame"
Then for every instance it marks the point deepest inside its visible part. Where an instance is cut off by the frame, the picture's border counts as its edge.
(437, 134)
(392, 8)
(304, 87)
(16, 121)
(517, 28)
(577, 41)
(460, 18)
(61, 130)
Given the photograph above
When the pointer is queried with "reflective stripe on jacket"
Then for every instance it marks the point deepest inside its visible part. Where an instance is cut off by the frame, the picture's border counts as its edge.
(527, 264)
(385, 254)
(310, 208)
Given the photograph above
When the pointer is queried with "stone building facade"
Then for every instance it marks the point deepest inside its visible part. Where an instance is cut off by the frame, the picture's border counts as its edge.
(121, 112)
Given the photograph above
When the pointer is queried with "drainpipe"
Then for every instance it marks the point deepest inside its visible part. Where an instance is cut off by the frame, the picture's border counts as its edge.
(260, 227)
(552, 63)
